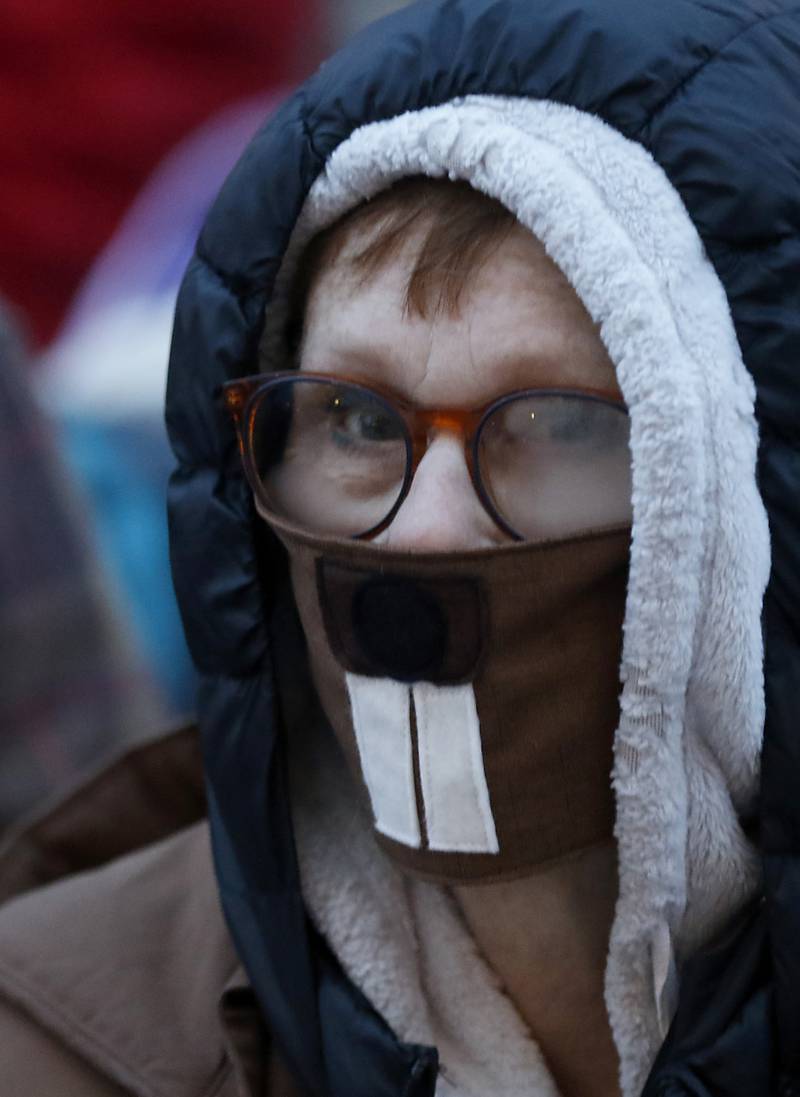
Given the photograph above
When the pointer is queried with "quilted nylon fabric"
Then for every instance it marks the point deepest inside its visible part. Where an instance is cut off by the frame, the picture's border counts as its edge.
(712, 90)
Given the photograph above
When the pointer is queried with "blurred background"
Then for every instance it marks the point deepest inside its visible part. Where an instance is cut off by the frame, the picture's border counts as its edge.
(120, 122)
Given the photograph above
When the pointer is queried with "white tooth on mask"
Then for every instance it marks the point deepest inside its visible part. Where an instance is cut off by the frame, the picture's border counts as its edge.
(382, 725)
(458, 813)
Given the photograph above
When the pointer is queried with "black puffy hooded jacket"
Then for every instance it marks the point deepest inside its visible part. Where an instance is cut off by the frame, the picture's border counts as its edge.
(712, 92)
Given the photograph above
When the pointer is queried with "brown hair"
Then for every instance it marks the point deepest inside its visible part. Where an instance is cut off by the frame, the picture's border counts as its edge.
(456, 229)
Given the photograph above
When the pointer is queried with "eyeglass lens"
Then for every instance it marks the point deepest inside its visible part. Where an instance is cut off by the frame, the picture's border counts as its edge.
(332, 458)
(557, 465)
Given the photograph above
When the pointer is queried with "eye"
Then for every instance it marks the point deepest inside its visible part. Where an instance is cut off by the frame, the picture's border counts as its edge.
(572, 421)
(567, 421)
(358, 420)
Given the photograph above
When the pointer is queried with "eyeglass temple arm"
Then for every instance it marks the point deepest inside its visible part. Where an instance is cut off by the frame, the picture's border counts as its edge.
(234, 396)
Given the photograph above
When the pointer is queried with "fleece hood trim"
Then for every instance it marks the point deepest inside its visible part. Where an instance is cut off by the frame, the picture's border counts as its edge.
(672, 79)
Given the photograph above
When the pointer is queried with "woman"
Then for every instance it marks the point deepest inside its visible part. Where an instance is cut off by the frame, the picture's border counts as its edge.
(443, 894)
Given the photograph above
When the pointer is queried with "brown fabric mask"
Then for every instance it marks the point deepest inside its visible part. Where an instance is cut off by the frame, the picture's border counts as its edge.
(474, 694)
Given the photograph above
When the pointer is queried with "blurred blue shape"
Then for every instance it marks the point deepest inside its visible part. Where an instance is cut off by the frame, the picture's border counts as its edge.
(123, 465)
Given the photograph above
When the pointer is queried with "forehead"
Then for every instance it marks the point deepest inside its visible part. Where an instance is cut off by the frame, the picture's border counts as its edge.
(518, 323)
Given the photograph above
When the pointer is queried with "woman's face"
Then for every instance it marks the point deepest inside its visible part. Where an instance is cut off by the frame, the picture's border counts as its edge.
(519, 325)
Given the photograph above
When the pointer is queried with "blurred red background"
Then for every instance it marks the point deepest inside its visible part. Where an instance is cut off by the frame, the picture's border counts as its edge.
(95, 92)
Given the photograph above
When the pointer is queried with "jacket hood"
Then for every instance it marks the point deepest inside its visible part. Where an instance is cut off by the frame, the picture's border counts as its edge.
(616, 135)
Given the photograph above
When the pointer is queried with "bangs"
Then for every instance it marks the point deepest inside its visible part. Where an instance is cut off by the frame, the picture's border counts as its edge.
(453, 228)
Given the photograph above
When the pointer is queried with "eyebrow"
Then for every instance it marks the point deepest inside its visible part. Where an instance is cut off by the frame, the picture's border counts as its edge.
(508, 372)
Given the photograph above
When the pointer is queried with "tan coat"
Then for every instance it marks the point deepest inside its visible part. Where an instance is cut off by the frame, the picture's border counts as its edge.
(118, 976)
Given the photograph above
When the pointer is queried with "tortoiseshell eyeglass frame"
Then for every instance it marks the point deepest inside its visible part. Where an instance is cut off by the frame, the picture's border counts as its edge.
(242, 397)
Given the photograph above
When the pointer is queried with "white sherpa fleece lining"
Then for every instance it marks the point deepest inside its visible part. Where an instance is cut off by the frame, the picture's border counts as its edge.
(688, 742)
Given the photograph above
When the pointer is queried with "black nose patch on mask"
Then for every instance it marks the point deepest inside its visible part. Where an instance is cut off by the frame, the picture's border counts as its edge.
(400, 626)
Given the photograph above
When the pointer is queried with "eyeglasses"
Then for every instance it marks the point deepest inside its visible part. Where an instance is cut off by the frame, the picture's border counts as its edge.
(336, 457)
